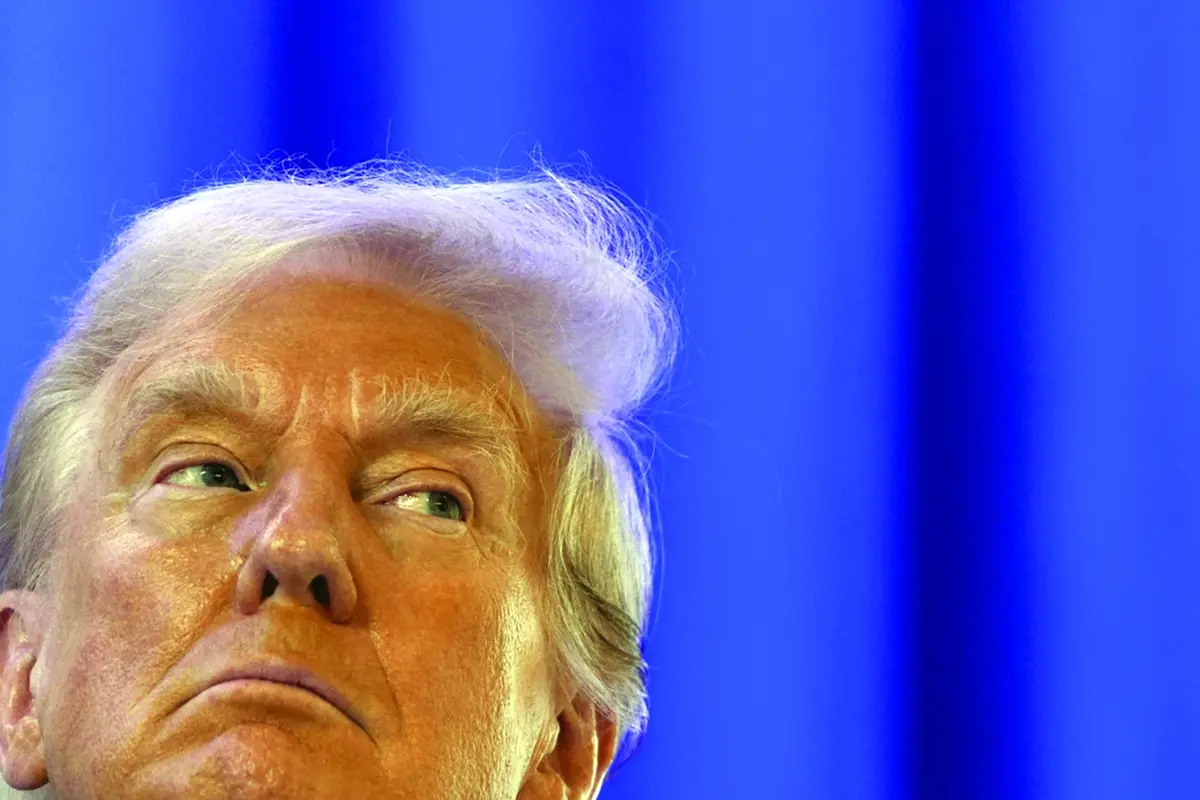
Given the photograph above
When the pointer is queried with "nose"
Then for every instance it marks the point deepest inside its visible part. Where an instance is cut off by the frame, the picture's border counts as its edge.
(295, 554)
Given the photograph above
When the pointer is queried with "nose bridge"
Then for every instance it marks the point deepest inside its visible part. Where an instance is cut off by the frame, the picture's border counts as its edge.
(296, 550)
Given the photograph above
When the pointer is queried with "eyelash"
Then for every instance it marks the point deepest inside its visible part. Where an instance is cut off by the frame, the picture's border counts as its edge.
(467, 508)
(169, 470)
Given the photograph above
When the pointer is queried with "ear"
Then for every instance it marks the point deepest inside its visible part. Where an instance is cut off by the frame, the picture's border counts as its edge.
(579, 757)
(22, 625)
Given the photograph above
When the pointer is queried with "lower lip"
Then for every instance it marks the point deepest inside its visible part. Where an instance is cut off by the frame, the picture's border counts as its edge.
(259, 686)
(271, 691)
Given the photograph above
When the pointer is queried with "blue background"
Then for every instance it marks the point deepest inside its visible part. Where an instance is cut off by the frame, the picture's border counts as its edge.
(930, 471)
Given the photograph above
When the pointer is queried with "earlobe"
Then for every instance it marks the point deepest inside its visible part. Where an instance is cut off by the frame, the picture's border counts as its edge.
(22, 756)
(580, 757)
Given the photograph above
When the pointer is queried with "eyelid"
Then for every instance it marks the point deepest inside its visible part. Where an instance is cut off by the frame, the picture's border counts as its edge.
(183, 461)
(462, 495)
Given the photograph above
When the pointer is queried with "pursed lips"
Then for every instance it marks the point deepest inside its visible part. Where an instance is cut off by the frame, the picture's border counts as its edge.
(289, 676)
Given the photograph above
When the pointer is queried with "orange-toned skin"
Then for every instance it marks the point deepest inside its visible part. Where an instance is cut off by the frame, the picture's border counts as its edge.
(433, 630)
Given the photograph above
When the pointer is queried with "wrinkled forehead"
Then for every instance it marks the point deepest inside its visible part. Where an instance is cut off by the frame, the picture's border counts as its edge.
(327, 323)
(327, 339)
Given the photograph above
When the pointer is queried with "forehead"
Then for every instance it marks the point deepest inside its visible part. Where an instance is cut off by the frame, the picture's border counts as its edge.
(327, 342)
(331, 327)
(313, 329)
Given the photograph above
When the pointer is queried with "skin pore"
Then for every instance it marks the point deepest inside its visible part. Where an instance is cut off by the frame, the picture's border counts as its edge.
(274, 514)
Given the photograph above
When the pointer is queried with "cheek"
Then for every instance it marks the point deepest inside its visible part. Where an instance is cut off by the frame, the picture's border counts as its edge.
(131, 604)
(464, 650)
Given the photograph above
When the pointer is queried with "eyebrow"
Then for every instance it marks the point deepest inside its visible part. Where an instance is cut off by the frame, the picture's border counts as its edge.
(407, 407)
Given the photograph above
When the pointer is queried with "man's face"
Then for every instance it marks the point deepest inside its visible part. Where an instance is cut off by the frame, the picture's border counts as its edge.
(303, 529)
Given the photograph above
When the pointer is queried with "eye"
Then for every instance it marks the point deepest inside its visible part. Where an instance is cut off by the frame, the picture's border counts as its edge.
(209, 475)
(435, 503)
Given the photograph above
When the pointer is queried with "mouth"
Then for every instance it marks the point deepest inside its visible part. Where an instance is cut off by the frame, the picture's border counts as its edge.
(286, 675)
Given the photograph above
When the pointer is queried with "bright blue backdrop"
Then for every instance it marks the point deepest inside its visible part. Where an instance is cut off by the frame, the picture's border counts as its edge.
(930, 478)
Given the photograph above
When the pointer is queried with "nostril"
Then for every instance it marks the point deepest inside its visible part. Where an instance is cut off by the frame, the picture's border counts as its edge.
(320, 590)
(269, 586)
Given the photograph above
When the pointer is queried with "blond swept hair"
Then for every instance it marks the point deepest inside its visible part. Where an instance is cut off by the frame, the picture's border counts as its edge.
(564, 278)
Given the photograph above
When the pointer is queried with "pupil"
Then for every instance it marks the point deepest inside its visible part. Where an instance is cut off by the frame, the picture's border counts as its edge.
(219, 475)
(445, 504)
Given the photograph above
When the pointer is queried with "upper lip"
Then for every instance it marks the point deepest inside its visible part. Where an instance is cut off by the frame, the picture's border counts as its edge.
(291, 676)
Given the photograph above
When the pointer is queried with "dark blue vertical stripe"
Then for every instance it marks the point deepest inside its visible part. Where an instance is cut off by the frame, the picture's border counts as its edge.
(970, 408)
(331, 80)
